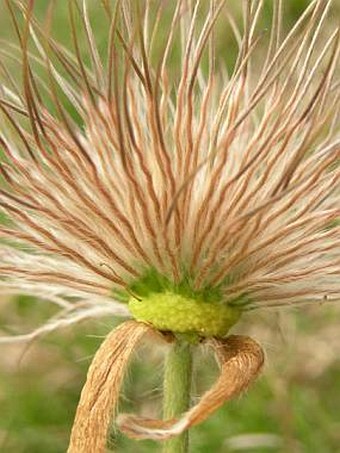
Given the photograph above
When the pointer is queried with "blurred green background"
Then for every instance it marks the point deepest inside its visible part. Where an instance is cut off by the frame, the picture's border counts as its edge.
(293, 407)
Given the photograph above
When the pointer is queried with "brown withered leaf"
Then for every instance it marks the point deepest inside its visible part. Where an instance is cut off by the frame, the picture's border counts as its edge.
(240, 359)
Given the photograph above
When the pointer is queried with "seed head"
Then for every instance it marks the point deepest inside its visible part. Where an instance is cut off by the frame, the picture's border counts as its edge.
(127, 179)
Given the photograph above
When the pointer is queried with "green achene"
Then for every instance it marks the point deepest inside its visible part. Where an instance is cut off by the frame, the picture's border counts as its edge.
(178, 308)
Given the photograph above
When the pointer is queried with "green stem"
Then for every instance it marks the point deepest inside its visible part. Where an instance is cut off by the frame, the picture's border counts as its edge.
(177, 386)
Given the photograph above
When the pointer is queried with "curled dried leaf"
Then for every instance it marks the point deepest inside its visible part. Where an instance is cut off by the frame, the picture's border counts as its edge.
(101, 390)
(240, 359)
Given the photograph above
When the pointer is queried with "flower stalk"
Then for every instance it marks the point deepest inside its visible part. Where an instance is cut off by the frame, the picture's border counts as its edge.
(176, 391)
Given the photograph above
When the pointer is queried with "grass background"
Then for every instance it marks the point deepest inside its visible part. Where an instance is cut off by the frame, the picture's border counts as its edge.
(293, 407)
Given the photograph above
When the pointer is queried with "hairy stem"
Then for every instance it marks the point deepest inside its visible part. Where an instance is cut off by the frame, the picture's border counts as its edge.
(177, 386)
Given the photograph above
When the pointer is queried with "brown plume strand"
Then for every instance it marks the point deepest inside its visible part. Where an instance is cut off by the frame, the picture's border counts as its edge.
(102, 388)
(240, 359)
